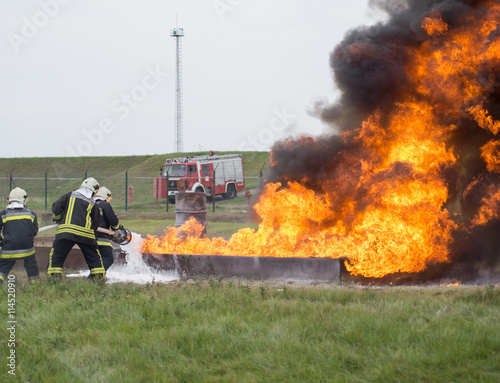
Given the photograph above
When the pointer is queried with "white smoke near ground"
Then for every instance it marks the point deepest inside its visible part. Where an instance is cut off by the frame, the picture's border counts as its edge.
(134, 270)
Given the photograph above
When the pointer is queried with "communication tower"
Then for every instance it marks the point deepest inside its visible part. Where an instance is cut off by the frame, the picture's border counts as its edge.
(178, 33)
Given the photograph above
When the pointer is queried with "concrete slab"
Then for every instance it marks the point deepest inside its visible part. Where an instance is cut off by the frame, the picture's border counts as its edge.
(74, 261)
(321, 269)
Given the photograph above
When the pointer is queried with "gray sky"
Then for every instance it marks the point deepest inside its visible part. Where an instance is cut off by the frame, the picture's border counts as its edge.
(96, 77)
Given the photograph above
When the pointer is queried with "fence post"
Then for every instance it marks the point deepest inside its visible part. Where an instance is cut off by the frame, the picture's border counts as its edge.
(261, 175)
(86, 172)
(126, 186)
(167, 192)
(11, 180)
(213, 192)
(46, 189)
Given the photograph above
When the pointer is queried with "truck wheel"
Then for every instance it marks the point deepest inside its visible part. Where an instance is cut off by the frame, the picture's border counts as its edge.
(231, 192)
(199, 190)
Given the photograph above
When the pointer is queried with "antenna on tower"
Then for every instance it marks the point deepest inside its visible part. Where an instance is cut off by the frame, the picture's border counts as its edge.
(178, 33)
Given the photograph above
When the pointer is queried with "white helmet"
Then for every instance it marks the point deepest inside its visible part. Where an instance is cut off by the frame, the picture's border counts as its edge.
(91, 184)
(104, 192)
(18, 195)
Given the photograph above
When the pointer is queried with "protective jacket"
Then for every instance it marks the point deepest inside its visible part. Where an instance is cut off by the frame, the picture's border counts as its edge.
(18, 227)
(78, 217)
(108, 220)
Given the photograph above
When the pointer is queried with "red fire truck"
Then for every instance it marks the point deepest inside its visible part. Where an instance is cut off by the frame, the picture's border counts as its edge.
(198, 173)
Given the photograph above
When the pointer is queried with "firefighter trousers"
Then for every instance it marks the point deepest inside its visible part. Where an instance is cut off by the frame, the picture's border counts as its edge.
(30, 264)
(60, 250)
(107, 256)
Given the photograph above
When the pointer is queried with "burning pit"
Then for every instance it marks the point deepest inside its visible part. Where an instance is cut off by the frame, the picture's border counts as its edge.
(407, 181)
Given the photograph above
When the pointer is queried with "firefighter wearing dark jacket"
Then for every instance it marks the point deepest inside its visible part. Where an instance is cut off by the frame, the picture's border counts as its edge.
(78, 218)
(108, 221)
(18, 227)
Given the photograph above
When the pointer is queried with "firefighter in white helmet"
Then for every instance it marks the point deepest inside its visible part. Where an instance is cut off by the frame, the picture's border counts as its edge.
(78, 218)
(108, 221)
(18, 227)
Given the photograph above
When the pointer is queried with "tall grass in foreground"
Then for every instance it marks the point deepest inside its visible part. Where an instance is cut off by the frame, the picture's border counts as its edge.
(234, 331)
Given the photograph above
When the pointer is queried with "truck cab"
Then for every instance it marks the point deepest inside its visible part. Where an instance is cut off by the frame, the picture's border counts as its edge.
(213, 175)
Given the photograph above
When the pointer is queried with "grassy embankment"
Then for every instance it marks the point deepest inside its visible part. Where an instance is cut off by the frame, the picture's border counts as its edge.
(143, 215)
(233, 331)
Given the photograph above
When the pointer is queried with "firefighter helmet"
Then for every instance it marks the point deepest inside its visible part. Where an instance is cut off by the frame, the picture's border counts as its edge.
(104, 192)
(18, 195)
(91, 184)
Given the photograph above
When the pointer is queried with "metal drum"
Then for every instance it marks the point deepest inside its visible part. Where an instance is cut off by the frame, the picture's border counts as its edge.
(189, 205)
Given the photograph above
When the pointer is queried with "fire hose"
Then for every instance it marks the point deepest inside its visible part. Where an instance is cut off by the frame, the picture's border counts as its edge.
(121, 235)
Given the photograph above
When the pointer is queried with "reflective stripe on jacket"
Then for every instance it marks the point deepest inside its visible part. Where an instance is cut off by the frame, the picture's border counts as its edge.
(18, 227)
(79, 217)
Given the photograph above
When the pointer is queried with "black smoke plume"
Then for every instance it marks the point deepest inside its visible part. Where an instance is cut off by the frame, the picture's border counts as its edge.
(369, 68)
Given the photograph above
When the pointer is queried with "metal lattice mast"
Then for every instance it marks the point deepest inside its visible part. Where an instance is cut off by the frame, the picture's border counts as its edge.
(178, 33)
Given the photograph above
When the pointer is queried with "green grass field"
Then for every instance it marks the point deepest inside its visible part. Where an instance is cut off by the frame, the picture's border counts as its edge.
(242, 331)
(228, 330)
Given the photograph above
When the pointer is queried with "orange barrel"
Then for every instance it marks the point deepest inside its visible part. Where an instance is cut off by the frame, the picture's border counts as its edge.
(189, 205)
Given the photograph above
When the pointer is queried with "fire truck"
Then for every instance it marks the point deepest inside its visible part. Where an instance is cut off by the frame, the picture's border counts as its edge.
(212, 174)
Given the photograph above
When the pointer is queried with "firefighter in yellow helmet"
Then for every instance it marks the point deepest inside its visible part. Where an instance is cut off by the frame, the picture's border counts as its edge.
(108, 221)
(78, 218)
(18, 227)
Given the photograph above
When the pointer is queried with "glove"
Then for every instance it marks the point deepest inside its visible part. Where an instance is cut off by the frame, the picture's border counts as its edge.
(118, 232)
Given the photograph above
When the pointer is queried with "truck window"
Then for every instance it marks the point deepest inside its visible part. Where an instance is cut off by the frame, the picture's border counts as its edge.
(174, 170)
(205, 170)
(191, 169)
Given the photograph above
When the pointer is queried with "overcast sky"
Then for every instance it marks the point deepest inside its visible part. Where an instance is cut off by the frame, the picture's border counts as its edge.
(97, 77)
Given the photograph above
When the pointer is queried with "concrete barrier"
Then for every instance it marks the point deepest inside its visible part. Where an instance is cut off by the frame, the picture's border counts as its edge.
(321, 269)
(318, 269)
(74, 261)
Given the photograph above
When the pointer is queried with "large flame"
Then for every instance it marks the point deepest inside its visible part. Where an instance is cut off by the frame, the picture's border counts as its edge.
(382, 206)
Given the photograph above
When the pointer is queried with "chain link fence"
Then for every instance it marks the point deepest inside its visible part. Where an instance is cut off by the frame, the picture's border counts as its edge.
(131, 190)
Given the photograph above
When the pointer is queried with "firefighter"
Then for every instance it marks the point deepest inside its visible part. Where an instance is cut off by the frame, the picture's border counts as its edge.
(18, 227)
(78, 218)
(108, 221)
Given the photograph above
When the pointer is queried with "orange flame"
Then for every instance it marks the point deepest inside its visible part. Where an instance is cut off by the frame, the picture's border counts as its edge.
(383, 210)
(457, 283)
(434, 26)
(490, 207)
(491, 155)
